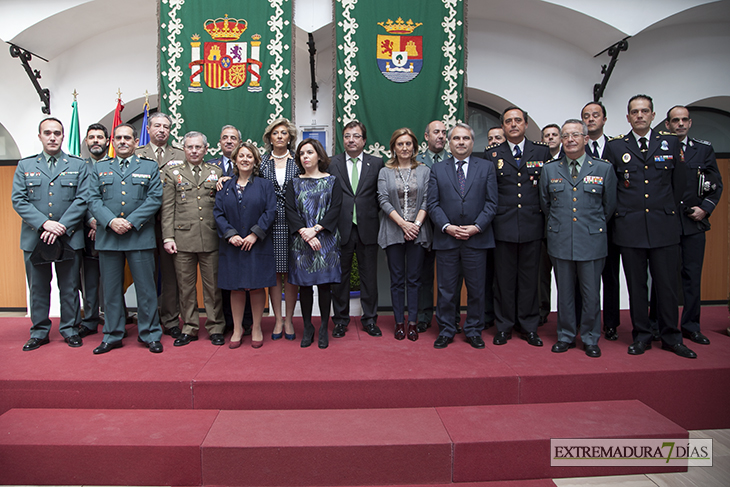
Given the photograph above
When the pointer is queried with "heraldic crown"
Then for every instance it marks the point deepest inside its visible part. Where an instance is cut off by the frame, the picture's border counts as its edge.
(225, 29)
(399, 27)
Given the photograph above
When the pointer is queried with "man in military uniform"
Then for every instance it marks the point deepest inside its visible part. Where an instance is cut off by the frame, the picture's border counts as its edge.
(519, 228)
(49, 193)
(190, 235)
(125, 195)
(650, 173)
(594, 116)
(695, 209)
(495, 136)
(159, 149)
(578, 196)
(551, 136)
(97, 141)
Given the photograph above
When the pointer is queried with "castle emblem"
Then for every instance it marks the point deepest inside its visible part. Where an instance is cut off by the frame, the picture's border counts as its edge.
(225, 63)
(400, 54)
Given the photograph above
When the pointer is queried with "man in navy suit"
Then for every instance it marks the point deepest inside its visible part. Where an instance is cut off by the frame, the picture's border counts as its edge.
(594, 116)
(357, 173)
(519, 228)
(578, 196)
(651, 179)
(462, 201)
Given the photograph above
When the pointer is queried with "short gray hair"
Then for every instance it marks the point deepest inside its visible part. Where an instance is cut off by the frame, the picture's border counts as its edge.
(231, 127)
(192, 134)
(576, 121)
(463, 126)
(158, 115)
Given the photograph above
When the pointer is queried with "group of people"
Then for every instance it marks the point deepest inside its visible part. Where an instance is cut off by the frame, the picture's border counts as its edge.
(577, 202)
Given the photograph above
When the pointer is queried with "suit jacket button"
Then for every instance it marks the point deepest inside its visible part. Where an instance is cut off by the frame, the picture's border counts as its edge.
(647, 210)
(575, 219)
(122, 214)
(50, 204)
(575, 189)
(123, 183)
(51, 183)
(201, 217)
(123, 203)
(519, 206)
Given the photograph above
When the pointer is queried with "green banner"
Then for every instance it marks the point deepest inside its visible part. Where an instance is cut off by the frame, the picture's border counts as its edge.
(399, 64)
(224, 62)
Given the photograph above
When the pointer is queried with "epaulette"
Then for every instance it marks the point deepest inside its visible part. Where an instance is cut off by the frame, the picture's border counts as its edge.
(540, 142)
(700, 141)
(617, 137)
(143, 158)
(492, 146)
(667, 133)
(212, 165)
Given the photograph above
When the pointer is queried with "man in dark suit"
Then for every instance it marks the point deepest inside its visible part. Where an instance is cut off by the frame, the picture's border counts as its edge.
(357, 173)
(462, 201)
(49, 193)
(650, 173)
(229, 140)
(695, 209)
(125, 194)
(159, 149)
(519, 228)
(97, 141)
(594, 116)
(578, 196)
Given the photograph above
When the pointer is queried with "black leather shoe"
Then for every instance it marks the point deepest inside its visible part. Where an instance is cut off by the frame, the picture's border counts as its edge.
(107, 347)
(84, 332)
(532, 339)
(637, 348)
(611, 334)
(217, 339)
(475, 341)
(174, 332)
(696, 337)
(592, 351)
(423, 326)
(34, 343)
(185, 339)
(442, 342)
(74, 341)
(680, 349)
(501, 337)
(372, 330)
(339, 331)
(155, 347)
(561, 347)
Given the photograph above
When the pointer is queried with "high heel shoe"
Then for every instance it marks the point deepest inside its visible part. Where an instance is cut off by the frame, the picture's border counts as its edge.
(308, 334)
(257, 343)
(277, 336)
(289, 337)
(324, 339)
(233, 344)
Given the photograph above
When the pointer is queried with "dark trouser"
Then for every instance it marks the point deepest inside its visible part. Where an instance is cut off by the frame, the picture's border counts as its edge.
(404, 263)
(90, 291)
(489, 288)
(693, 255)
(142, 265)
(367, 258)
(472, 264)
(306, 300)
(168, 292)
(585, 277)
(545, 276)
(611, 290)
(516, 277)
(425, 295)
(662, 263)
(39, 282)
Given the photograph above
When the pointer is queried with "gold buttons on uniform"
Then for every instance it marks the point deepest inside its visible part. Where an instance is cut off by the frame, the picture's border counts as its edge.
(646, 181)
(574, 199)
(201, 217)
(50, 204)
(124, 192)
(575, 189)
(647, 210)
(123, 183)
(575, 219)
(646, 167)
(200, 207)
(123, 203)
(198, 197)
(519, 206)
(51, 183)
(519, 174)
(122, 213)
(600, 229)
(50, 194)
(519, 185)
(519, 195)
(50, 215)
(575, 209)
(646, 196)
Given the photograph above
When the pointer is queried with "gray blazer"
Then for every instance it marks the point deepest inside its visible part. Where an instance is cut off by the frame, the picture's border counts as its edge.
(390, 233)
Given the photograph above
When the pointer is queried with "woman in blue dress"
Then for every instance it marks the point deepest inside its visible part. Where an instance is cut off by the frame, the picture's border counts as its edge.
(313, 203)
(244, 212)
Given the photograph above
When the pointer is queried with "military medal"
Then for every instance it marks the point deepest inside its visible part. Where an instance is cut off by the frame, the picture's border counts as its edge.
(500, 163)
(626, 179)
(665, 145)
(626, 157)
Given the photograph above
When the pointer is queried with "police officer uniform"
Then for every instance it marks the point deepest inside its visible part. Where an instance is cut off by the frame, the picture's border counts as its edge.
(57, 193)
(577, 211)
(646, 227)
(518, 229)
(169, 307)
(134, 194)
(187, 219)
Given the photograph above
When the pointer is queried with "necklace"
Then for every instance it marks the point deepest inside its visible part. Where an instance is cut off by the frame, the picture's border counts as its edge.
(406, 189)
(285, 156)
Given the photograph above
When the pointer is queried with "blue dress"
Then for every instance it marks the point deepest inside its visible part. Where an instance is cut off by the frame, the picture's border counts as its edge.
(310, 201)
(237, 212)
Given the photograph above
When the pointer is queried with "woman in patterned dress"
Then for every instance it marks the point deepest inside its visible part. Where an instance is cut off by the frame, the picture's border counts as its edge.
(313, 202)
(278, 166)
(402, 194)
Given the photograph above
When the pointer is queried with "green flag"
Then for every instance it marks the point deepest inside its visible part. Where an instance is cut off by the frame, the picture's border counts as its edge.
(224, 62)
(398, 64)
(74, 135)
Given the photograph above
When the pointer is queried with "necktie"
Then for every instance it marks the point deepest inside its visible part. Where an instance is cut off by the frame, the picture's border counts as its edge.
(642, 144)
(595, 149)
(51, 163)
(354, 179)
(123, 165)
(518, 153)
(461, 177)
(436, 158)
(574, 169)
(196, 173)
(159, 153)
(225, 165)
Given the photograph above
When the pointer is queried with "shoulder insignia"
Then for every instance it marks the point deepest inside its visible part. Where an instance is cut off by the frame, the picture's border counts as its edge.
(492, 146)
(700, 141)
(667, 133)
(617, 137)
(539, 142)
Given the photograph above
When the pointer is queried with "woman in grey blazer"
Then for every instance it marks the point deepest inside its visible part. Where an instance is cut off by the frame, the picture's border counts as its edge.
(402, 187)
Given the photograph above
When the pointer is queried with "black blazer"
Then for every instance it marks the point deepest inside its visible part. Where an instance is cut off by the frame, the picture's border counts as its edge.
(366, 198)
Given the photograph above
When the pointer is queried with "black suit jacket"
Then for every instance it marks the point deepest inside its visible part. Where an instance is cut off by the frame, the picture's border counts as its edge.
(699, 156)
(366, 198)
(649, 189)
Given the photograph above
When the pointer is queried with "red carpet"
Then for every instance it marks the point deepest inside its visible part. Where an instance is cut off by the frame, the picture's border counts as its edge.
(360, 371)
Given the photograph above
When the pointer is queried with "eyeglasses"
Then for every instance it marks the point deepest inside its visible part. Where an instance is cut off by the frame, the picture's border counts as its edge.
(574, 135)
